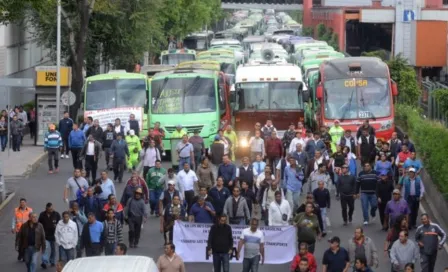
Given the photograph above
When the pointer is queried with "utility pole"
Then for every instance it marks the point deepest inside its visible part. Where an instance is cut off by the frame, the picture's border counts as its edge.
(58, 63)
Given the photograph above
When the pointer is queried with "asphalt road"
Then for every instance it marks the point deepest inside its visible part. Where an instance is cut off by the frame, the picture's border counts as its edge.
(41, 188)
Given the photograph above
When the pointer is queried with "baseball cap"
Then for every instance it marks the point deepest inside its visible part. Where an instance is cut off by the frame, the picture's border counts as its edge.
(345, 166)
(396, 191)
(171, 182)
(334, 239)
(411, 170)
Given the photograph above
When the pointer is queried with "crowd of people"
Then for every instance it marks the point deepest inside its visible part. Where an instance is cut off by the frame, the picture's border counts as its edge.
(280, 181)
(13, 122)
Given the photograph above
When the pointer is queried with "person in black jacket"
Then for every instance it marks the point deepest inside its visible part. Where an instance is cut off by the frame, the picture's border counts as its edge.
(65, 127)
(384, 189)
(109, 136)
(49, 219)
(346, 188)
(133, 124)
(96, 131)
(90, 203)
(322, 198)
(248, 194)
(220, 244)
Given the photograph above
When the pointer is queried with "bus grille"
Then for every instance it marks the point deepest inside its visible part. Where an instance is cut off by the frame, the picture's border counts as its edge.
(190, 129)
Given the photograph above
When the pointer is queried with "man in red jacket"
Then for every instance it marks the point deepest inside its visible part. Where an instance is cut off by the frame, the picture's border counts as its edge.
(274, 149)
(303, 253)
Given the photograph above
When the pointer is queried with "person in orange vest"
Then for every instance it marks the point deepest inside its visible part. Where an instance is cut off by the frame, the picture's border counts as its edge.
(21, 216)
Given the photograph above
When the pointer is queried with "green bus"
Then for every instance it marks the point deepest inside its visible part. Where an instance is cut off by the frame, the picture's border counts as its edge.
(176, 56)
(117, 94)
(228, 64)
(194, 95)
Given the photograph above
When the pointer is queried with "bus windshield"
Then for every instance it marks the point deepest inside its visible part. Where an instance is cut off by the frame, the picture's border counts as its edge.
(357, 98)
(174, 59)
(115, 93)
(270, 96)
(183, 95)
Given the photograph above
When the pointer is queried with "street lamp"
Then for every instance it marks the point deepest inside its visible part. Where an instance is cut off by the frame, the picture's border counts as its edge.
(58, 61)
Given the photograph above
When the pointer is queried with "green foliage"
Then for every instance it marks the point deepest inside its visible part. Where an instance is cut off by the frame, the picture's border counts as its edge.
(382, 54)
(431, 140)
(308, 31)
(441, 96)
(297, 15)
(28, 106)
(321, 30)
(404, 75)
(334, 41)
(326, 34)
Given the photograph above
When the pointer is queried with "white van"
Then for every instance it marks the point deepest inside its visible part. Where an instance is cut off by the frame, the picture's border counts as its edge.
(112, 264)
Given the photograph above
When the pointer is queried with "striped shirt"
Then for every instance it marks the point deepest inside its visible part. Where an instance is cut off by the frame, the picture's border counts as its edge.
(113, 232)
(367, 182)
(252, 242)
(53, 140)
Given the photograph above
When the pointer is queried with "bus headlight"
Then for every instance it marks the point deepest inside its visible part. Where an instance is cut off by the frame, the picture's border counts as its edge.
(244, 143)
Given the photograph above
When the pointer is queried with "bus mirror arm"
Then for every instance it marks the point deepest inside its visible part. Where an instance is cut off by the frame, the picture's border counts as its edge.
(394, 88)
(319, 91)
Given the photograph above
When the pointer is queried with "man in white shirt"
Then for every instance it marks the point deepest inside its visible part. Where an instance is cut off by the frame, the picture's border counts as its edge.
(297, 140)
(279, 211)
(256, 145)
(186, 179)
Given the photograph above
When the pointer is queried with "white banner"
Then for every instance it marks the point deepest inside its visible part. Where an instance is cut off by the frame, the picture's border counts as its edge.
(109, 115)
(190, 240)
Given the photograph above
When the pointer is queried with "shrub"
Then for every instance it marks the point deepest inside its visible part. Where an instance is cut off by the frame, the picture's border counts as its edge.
(431, 141)
(441, 96)
(308, 31)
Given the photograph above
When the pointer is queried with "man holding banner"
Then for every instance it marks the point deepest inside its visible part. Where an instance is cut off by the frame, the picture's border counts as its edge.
(220, 244)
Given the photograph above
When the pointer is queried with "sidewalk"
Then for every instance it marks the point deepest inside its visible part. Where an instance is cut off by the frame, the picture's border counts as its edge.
(20, 164)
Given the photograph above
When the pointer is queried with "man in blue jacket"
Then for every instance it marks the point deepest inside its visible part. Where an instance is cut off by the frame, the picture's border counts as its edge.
(76, 141)
(52, 144)
(119, 150)
(65, 127)
(293, 179)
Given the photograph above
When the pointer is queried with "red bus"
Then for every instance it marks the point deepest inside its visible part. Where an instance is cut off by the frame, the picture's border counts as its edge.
(354, 89)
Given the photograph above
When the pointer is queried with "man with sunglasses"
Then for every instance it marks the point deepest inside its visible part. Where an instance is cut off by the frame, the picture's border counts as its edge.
(395, 208)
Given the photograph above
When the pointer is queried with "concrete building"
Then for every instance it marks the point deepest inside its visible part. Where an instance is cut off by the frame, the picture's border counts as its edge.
(19, 54)
(415, 28)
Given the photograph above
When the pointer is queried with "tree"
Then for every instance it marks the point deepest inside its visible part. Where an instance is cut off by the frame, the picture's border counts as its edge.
(308, 31)
(406, 78)
(321, 30)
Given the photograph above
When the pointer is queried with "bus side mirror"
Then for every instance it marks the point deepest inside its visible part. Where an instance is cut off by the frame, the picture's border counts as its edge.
(319, 91)
(306, 96)
(300, 86)
(232, 98)
(394, 89)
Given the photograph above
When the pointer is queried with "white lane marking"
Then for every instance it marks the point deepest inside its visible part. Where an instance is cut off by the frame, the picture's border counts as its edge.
(422, 210)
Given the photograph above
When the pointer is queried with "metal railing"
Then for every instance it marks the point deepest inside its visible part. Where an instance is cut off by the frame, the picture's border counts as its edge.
(432, 108)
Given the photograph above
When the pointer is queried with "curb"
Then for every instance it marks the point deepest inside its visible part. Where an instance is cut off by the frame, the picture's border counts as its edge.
(8, 199)
(31, 168)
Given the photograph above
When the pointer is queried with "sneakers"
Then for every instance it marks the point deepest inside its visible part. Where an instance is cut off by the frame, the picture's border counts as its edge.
(345, 223)
(44, 266)
(163, 153)
(373, 218)
(62, 156)
(67, 156)
(50, 171)
(366, 223)
(56, 170)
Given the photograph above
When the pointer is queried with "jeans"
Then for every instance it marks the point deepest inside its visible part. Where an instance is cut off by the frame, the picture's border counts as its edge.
(347, 200)
(197, 160)
(154, 196)
(53, 154)
(323, 214)
(294, 199)
(49, 256)
(16, 140)
(65, 148)
(184, 160)
(221, 260)
(66, 255)
(273, 161)
(414, 205)
(31, 258)
(366, 200)
(109, 249)
(119, 168)
(107, 154)
(3, 141)
(77, 163)
(251, 264)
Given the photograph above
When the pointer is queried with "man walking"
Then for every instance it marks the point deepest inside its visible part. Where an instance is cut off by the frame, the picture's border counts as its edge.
(308, 230)
(427, 236)
(150, 154)
(347, 190)
(170, 261)
(155, 188)
(198, 148)
(171, 212)
(16, 126)
(367, 181)
(185, 151)
(95, 131)
(293, 179)
(80, 219)
(322, 198)
(280, 212)
(253, 241)
(31, 241)
(75, 187)
(113, 233)
(362, 246)
(384, 189)
(49, 220)
(91, 152)
(52, 144)
(119, 150)
(92, 239)
(274, 149)
(76, 140)
(186, 179)
(135, 147)
(219, 194)
(65, 127)
(303, 253)
(227, 171)
(403, 251)
(366, 150)
(257, 146)
(135, 214)
(413, 191)
(21, 216)
(220, 244)
(336, 258)
(109, 136)
(236, 208)
(395, 208)
(66, 237)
